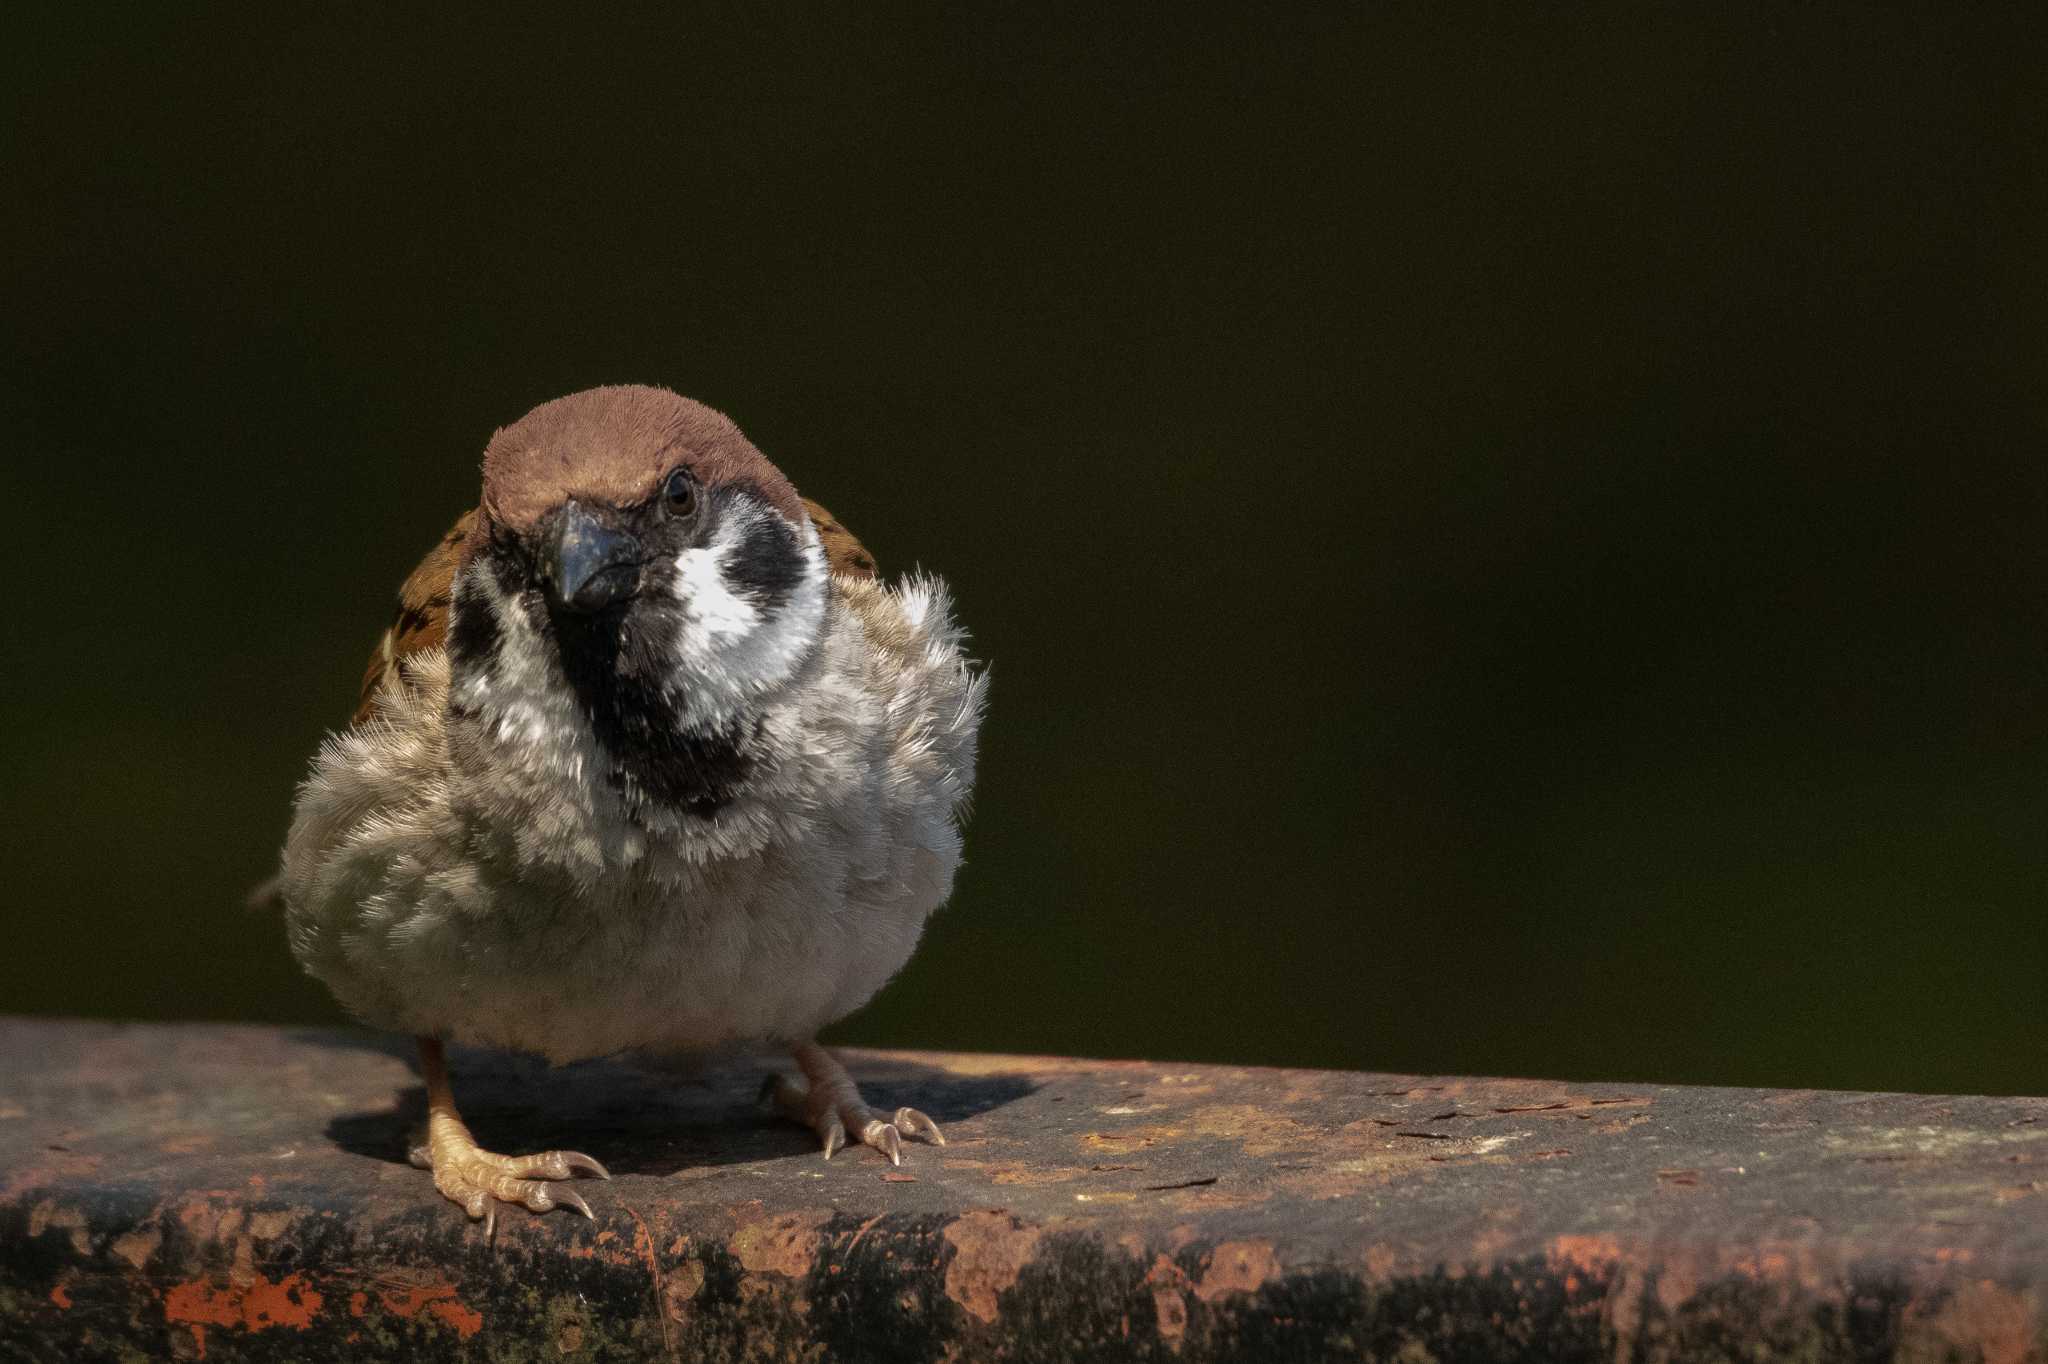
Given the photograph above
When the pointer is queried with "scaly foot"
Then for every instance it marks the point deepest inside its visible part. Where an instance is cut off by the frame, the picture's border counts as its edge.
(829, 1103)
(479, 1180)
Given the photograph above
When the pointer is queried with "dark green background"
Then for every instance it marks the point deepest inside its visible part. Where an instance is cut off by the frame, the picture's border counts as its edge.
(1509, 542)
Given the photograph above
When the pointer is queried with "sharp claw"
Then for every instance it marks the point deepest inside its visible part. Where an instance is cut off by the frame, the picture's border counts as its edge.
(835, 1137)
(576, 1160)
(421, 1157)
(884, 1138)
(913, 1123)
(490, 1222)
(569, 1198)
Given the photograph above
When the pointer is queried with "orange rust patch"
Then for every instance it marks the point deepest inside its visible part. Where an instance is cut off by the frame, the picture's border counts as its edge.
(1586, 1252)
(408, 1299)
(1981, 1321)
(990, 1250)
(786, 1245)
(1237, 1267)
(466, 1320)
(1165, 1273)
(197, 1302)
(288, 1302)
(261, 1306)
(437, 1299)
(1170, 1313)
(61, 1297)
(1260, 1130)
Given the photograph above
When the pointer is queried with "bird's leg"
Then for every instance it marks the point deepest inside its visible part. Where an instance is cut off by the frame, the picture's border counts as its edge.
(828, 1102)
(478, 1179)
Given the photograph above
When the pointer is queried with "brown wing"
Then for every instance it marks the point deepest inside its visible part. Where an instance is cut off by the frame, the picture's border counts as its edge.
(844, 555)
(422, 619)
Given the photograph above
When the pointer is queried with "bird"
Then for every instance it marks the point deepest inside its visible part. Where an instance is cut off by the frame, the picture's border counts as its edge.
(651, 759)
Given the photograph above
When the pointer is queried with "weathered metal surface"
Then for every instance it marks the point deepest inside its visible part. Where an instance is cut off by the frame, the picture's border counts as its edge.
(226, 1193)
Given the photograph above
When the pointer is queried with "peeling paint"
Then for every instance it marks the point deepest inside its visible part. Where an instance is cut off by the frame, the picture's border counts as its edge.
(48, 1215)
(990, 1250)
(785, 1245)
(268, 1226)
(137, 1246)
(1237, 1267)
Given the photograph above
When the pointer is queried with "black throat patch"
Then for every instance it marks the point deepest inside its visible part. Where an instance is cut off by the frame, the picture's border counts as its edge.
(616, 664)
(615, 661)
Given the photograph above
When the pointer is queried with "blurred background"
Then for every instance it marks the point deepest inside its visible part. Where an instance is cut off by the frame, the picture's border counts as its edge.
(1507, 544)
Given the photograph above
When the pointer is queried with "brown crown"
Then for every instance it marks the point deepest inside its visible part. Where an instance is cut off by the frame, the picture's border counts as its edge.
(615, 445)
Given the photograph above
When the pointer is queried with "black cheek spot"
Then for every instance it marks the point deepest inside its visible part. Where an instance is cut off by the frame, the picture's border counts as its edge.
(767, 565)
(502, 562)
(474, 633)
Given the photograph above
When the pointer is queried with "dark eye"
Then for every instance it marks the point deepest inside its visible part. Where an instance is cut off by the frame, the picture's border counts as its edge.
(680, 493)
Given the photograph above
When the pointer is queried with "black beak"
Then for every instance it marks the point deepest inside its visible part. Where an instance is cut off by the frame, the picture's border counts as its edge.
(594, 564)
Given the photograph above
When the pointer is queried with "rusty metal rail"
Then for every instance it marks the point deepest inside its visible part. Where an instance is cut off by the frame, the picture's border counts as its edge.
(231, 1192)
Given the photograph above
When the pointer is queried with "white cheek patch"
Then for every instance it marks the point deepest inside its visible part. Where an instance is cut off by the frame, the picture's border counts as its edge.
(733, 652)
(715, 613)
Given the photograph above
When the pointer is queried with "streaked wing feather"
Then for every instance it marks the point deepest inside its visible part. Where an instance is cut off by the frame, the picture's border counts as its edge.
(844, 555)
(421, 621)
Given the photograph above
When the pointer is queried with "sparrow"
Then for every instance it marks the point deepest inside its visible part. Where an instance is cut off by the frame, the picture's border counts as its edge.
(650, 759)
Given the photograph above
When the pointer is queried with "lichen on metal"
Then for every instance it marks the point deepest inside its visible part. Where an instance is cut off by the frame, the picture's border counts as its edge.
(242, 1193)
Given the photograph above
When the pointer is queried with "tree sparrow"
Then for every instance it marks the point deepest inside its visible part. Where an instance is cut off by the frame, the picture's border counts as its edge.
(650, 758)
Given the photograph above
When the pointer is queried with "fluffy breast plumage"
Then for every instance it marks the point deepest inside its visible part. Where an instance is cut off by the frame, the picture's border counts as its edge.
(483, 882)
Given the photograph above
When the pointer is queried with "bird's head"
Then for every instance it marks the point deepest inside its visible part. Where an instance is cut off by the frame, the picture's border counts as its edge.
(642, 556)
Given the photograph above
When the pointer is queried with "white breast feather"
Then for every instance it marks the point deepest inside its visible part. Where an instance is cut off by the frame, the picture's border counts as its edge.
(484, 886)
